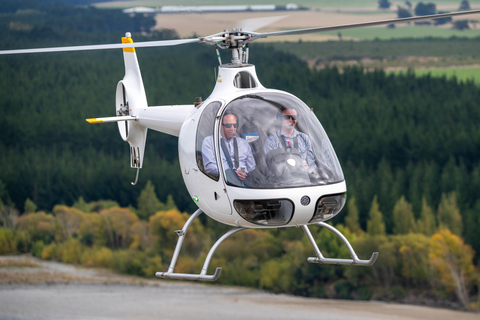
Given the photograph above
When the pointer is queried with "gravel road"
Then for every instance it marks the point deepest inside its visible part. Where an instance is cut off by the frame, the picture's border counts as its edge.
(47, 290)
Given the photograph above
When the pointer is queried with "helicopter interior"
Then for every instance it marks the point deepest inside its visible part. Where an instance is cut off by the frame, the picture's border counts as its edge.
(259, 120)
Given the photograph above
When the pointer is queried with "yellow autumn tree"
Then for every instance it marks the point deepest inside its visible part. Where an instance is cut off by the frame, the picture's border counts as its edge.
(162, 226)
(39, 226)
(141, 237)
(118, 222)
(414, 249)
(92, 230)
(69, 219)
(453, 261)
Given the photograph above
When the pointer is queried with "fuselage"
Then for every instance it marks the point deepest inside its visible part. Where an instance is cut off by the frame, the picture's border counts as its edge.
(309, 193)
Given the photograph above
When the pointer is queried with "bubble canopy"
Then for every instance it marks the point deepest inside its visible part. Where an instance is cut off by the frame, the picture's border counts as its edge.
(268, 140)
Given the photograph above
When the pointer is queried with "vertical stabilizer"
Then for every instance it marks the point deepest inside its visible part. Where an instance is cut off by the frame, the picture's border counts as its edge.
(130, 98)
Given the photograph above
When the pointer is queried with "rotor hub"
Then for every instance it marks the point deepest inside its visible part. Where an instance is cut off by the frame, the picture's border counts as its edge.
(236, 40)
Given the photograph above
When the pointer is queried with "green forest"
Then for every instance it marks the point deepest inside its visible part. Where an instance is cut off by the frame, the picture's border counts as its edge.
(409, 147)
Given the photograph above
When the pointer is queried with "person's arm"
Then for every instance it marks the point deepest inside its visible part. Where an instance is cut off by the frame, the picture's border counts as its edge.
(250, 159)
(208, 155)
(310, 157)
(271, 143)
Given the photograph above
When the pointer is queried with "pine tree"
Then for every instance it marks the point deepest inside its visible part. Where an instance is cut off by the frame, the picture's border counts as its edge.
(375, 224)
(30, 206)
(352, 218)
(148, 203)
(403, 218)
(170, 204)
(81, 205)
(426, 223)
(448, 214)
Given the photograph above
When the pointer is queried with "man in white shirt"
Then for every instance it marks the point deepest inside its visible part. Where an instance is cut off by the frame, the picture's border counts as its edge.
(235, 152)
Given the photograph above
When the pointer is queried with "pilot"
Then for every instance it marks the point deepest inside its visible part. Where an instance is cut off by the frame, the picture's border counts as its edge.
(290, 139)
(236, 153)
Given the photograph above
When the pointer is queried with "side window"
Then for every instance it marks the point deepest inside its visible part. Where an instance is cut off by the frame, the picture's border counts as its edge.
(204, 145)
(244, 80)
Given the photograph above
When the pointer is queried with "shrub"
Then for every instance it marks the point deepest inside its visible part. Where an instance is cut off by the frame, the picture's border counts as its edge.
(37, 248)
(344, 289)
(129, 262)
(23, 241)
(70, 251)
(97, 257)
(364, 293)
(50, 252)
(7, 241)
(153, 264)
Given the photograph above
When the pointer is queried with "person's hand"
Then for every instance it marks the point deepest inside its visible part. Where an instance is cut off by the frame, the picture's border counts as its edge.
(241, 175)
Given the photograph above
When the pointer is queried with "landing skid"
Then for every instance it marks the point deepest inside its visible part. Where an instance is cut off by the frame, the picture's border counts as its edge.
(322, 260)
(203, 274)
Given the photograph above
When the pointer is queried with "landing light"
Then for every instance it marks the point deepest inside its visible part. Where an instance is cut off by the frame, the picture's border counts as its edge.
(327, 207)
(272, 212)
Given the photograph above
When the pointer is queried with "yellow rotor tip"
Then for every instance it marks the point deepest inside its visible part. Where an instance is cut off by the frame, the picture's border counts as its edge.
(94, 120)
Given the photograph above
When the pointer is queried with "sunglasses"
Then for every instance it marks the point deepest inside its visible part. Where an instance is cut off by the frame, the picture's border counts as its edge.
(285, 117)
(229, 125)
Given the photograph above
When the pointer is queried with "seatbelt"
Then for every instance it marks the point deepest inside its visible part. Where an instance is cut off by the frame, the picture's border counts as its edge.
(227, 154)
(284, 145)
(235, 152)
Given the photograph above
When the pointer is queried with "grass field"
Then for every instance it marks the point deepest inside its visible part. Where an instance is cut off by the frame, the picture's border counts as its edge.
(383, 33)
(421, 57)
(323, 13)
(461, 74)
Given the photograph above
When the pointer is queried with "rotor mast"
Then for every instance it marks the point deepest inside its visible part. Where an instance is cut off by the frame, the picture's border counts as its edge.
(236, 41)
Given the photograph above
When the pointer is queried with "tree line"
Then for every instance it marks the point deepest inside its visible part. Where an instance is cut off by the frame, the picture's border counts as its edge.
(422, 260)
(394, 135)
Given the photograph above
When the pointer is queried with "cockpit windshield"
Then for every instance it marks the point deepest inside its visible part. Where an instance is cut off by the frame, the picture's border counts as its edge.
(273, 140)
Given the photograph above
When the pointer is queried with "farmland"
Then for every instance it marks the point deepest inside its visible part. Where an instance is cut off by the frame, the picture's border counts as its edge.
(404, 47)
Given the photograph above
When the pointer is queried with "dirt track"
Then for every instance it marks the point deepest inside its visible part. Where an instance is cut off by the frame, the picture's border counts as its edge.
(48, 290)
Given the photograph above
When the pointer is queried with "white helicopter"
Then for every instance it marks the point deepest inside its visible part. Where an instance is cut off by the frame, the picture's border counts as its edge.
(285, 191)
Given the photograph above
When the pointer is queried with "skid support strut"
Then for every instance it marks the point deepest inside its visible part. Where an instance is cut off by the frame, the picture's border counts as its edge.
(203, 274)
(321, 259)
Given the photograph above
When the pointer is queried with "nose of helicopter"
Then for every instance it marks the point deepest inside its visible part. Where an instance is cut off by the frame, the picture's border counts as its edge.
(289, 207)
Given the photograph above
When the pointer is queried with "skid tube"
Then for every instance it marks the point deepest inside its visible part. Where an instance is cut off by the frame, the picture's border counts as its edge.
(203, 274)
(322, 260)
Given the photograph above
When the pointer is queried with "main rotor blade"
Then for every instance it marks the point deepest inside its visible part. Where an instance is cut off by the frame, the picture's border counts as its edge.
(357, 25)
(257, 23)
(161, 43)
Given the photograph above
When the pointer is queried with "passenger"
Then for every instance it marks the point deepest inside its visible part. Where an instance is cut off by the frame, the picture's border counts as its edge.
(237, 157)
(290, 139)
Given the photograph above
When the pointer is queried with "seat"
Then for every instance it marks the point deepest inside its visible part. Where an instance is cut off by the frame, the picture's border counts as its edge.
(255, 139)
